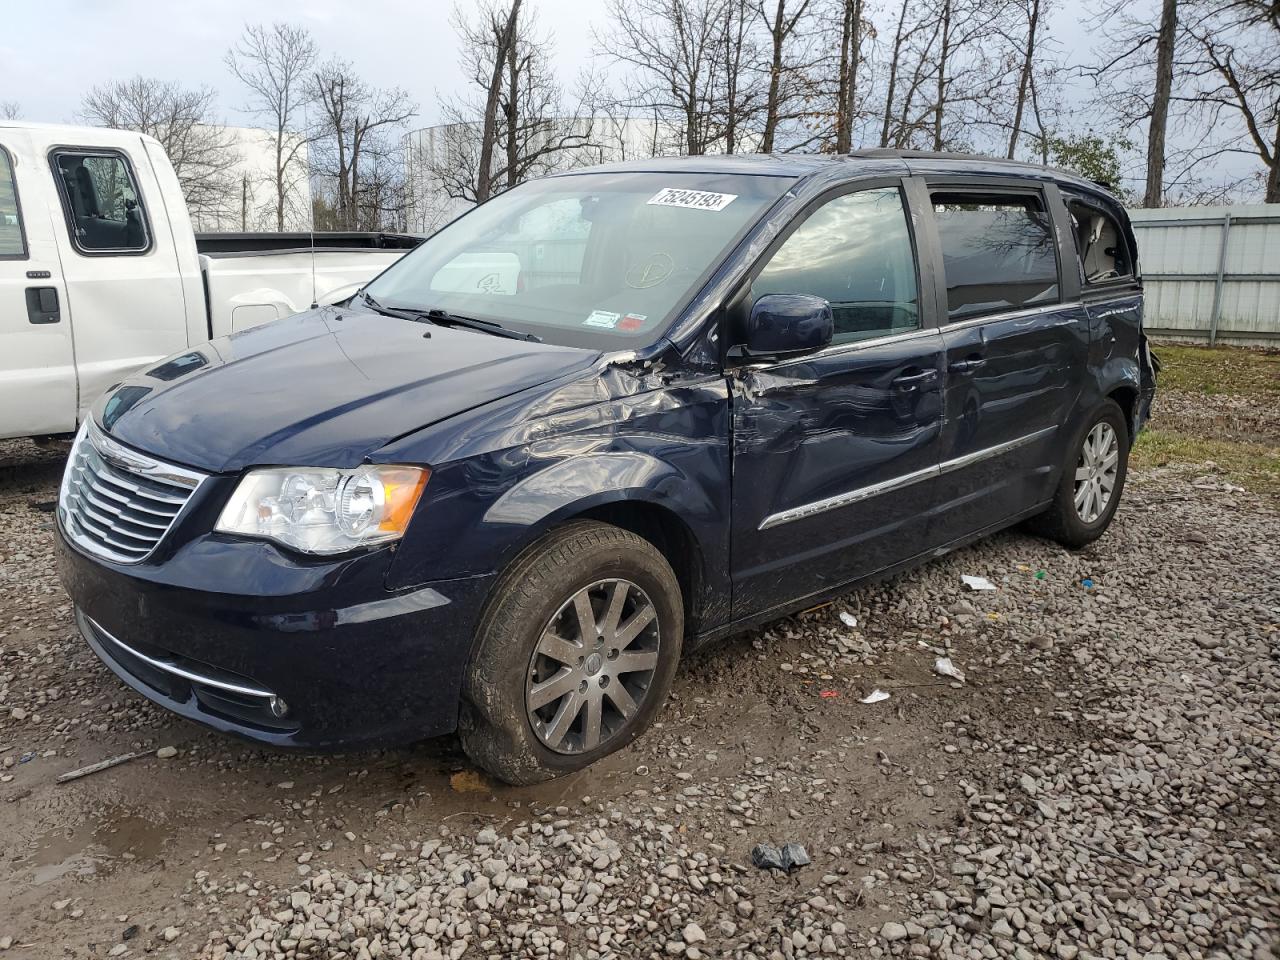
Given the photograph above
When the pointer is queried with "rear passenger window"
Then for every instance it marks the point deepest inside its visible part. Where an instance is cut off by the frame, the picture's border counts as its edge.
(997, 251)
(12, 243)
(101, 201)
(1101, 247)
(855, 252)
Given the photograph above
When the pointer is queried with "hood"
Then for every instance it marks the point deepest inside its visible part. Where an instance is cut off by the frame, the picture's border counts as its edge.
(324, 388)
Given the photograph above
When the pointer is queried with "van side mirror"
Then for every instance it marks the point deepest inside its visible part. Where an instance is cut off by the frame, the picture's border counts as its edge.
(787, 323)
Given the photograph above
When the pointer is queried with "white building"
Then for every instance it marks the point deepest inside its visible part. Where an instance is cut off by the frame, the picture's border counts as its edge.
(444, 146)
(250, 201)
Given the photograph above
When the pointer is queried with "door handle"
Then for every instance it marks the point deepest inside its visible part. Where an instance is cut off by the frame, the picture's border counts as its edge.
(42, 305)
(909, 381)
(968, 365)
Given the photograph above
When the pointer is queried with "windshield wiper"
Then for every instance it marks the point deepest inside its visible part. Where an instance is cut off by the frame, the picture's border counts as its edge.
(445, 318)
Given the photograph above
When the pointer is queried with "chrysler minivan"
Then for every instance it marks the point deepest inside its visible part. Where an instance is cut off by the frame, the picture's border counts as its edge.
(604, 418)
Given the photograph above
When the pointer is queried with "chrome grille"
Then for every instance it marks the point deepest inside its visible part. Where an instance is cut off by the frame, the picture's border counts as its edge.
(118, 503)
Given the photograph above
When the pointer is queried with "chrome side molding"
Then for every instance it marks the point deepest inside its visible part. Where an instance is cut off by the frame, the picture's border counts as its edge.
(897, 483)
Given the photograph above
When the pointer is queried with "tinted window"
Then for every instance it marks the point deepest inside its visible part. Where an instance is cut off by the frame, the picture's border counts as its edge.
(101, 201)
(12, 243)
(997, 252)
(1100, 246)
(855, 251)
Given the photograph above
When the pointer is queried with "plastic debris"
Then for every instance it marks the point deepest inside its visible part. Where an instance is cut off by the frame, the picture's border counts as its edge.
(828, 694)
(875, 696)
(977, 583)
(848, 619)
(793, 856)
(945, 668)
(27, 757)
(1087, 583)
(1041, 574)
(765, 856)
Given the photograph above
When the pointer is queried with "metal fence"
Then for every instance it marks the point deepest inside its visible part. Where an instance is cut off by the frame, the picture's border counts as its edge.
(1212, 274)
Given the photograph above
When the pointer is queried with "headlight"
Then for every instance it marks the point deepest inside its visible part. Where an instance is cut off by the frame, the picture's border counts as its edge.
(320, 510)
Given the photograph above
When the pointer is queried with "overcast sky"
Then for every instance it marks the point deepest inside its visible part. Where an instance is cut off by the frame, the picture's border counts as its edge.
(52, 51)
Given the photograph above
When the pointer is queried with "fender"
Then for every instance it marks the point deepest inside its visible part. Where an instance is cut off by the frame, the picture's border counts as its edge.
(584, 482)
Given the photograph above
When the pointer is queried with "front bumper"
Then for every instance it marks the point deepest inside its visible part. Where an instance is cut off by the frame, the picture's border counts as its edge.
(223, 626)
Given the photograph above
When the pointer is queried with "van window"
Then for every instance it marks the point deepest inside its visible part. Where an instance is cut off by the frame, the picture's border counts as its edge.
(855, 252)
(1100, 246)
(997, 252)
(101, 201)
(13, 245)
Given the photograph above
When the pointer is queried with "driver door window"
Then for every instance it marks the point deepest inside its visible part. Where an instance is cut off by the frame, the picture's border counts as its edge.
(854, 251)
(102, 203)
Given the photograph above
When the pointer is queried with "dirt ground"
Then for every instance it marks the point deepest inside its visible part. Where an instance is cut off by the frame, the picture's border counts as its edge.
(1105, 783)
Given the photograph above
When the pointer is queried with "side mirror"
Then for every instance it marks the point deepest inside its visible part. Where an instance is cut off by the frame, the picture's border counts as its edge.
(786, 323)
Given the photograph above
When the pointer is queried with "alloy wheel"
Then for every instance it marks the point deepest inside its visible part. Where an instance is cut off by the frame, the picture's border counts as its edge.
(593, 666)
(1096, 472)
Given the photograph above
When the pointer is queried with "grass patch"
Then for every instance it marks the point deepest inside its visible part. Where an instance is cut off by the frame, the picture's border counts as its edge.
(1253, 466)
(1219, 370)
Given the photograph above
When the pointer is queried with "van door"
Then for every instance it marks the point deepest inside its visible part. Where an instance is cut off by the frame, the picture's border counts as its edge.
(120, 262)
(835, 452)
(37, 359)
(1017, 344)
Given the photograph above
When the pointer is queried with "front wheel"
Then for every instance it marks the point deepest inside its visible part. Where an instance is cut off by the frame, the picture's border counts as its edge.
(574, 655)
(1093, 476)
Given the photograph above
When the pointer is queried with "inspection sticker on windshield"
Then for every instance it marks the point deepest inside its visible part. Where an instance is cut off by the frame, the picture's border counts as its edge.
(601, 318)
(694, 199)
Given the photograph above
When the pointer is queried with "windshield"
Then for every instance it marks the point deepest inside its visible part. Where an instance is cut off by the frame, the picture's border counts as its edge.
(601, 260)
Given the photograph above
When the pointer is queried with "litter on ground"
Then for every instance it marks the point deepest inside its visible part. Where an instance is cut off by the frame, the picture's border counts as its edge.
(945, 668)
(848, 619)
(977, 583)
(875, 696)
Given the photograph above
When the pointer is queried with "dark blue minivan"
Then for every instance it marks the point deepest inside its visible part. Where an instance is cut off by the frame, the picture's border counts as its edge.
(601, 419)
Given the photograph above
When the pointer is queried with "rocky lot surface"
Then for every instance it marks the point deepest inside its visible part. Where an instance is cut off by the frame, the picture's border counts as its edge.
(1104, 783)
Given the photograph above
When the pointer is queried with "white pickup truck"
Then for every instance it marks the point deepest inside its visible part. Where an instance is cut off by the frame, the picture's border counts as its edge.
(100, 272)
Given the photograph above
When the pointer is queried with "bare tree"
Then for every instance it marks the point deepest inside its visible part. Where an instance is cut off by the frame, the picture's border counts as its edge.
(354, 137)
(274, 62)
(10, 110)
(517, 121)
(1235, 71)
(201, 150)
(675, 49)
(797, 68)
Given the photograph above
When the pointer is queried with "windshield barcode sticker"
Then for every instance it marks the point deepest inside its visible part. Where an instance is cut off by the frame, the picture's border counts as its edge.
(694, 199)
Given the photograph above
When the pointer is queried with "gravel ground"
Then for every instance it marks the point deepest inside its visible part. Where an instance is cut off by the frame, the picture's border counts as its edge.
(1104, 783)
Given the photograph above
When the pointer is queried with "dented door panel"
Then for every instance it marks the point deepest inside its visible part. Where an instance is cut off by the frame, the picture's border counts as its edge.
(834, 457)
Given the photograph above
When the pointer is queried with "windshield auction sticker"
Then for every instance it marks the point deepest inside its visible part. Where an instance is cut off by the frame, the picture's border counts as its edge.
(693, 199)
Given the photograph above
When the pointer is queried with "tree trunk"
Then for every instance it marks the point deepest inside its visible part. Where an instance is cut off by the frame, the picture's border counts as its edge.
(844, 122)
(775, 80)
(1273, 176)
(280, 177)
(1154, 196)
(893, 76)
(513, 114)
(944, 53)
(489, 132)
(1024, 78)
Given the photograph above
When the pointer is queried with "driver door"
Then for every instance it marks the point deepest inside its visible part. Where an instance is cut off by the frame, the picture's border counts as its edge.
(835, 453)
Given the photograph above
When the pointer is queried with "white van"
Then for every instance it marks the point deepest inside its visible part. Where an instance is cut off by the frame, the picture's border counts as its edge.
(101, 274)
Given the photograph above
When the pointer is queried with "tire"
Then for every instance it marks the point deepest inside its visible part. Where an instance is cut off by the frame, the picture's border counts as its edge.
(505, 726)
(1064, 521)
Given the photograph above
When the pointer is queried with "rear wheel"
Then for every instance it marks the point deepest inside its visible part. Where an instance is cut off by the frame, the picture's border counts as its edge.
(574, 655)
(1092, 481)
